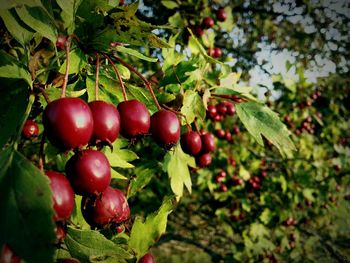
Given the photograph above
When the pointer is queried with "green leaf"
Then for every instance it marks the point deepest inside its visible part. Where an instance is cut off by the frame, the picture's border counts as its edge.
(22, 33)
(192, 107)
(120, 157)
(10, 68)
(13, 104)
(260, 120)
(26, 208)
(38, 19)
(109, 89)
(135, 53)
(69, 9)
(142, 94)
(8, 4)
(179, 73)
(144, 174)
(91, 246)
(169, 4)
(266, 216)
(144, 235)
(117, 175)
(77, 61)
(176, 165)
(77, 216)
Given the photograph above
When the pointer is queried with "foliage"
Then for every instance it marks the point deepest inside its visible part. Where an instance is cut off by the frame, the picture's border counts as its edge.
(285, 193)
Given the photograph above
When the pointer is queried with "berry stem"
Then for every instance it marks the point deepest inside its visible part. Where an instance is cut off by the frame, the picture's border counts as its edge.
(65, 80)
(195, 125)
(145, 81)
(119, 77)
(189, 128)
(97, 75)
(41, 153)
(234, 98)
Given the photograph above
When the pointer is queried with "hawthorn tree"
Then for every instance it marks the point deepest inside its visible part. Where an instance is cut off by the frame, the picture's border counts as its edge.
(110, 110)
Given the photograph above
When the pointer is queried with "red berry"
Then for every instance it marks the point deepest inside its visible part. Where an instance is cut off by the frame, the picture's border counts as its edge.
(60, 42)
(110, 207)
(62, 194)
(68, 123)
(203, 160)
(236, 130)
(134, 118)
(221, 108)
(191, 142)
(263, 174)
(208, 22)
(228, 136)
(30, 129)
(231, 109)
(148, 258)
(223, 188)
(208, 143)
(165, 128)
(218, 118)
(89, 172)
(220, 133)
(215, 52)
(8, 256)
(212, 112)
(106, 121)
(221, 15)
(232, 161)
(198, 31)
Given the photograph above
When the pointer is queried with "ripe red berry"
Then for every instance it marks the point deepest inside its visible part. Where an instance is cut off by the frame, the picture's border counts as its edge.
(223, 188)
(221, 15)
(30, 129)
(212, 112)
(203, 160)
(218, 118)
(68, 123)
(165, 128)
(8, 256)
(191, 142)
(215, 52)
(148, 258)
(110, 207)
(208, 143)
(106, 121)
(231, 109)
(70, 260)
(208, 22)
(134, 118)
(60, 42)
(221, 108)
(236, 130)
(228, 136)
(220, 133)
(89, 172)
(62, 194)
(198, 31)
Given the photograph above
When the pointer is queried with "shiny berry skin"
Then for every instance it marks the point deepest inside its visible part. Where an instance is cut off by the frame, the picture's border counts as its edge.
(221, 108)
(211, 111)
(203, 160)
(8, 256)
(106, 121)
(223, 188)
(60, 42)
(231, 109)
(110, 207)
(191, 142)
(134, 118)
(215, 52)
(30, 129)
(220, 133)
(68, 123)
(208, 22)
(219, 118)
(236, 130)
(148, 258)
(198, 31)
(62, 194)
(165, 128)
(208, 143)
(228, 136)
(89, 172)
(221, 15)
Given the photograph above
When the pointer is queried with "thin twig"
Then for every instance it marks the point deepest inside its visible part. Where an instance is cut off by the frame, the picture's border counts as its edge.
(230, 97)
(65, 81)
(119, 77)
(131, 68)
(97, 75)
(42, 153)
(43, 92)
